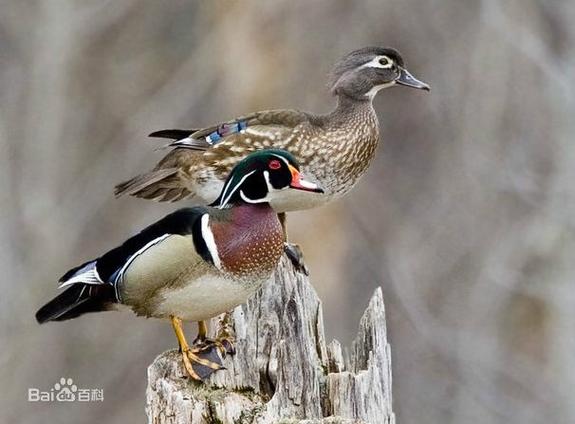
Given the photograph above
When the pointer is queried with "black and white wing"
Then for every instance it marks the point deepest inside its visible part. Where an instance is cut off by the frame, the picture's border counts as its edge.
(93, 286)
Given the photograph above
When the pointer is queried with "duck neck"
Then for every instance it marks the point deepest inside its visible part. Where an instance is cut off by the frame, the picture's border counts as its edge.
(348, 106)
(245, 214)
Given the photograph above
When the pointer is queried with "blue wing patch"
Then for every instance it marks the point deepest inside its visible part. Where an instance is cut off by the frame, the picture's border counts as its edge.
(225, 130)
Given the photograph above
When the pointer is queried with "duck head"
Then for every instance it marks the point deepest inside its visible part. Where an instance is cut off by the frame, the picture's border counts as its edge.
(362, 73)
(262, 177)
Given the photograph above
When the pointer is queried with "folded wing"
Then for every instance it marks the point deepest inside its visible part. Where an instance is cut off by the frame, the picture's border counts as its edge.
(210, 147)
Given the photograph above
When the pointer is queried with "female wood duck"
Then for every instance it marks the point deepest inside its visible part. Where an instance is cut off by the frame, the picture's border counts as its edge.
(195, 263)
(334, 150)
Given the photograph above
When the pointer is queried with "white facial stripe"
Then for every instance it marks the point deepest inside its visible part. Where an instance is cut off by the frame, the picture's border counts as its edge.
(371, 93)
(208, 237)
(225, 190)
(248, 200)
(270, 187)
(268, 182)
(375, 63)
(227, 198)
(303, 182)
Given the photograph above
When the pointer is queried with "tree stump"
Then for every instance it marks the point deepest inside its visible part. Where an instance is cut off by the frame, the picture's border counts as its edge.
(283, 371)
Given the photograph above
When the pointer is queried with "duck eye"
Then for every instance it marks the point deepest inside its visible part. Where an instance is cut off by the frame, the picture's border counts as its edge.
(384, 61)
(275, 164)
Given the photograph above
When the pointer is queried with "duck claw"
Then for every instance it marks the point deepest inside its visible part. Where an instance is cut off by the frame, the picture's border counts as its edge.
(202, 361)
(295, 255)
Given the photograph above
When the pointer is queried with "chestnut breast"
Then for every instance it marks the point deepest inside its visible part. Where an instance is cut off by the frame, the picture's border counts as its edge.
(249, 239)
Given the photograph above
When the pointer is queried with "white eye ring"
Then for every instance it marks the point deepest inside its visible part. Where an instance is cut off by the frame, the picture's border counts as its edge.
(385, 62)
(382, 62)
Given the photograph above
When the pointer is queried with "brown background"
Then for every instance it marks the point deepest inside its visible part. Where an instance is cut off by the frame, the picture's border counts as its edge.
(466, 218)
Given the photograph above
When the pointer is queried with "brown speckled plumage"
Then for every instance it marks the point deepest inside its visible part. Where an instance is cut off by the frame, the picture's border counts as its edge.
(335, 149)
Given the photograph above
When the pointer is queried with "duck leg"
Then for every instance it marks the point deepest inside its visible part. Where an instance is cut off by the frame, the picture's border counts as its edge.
(224, 340)
(226, 335)
(293, 251)
(202, 333)
(200, 361)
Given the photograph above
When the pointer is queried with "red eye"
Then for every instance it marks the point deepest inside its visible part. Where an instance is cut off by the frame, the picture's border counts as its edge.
(275, 164)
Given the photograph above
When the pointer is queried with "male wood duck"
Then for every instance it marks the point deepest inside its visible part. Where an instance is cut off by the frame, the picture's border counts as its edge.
(195, 263)
(334, 150)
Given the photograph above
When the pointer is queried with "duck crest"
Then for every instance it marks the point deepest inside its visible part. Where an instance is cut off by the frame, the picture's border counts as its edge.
(249, 239)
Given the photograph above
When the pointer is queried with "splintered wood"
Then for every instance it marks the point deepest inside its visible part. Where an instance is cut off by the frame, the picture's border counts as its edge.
(283, 371)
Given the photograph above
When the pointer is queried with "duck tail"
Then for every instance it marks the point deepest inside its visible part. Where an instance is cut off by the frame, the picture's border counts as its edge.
(75, 301)
(163, 185)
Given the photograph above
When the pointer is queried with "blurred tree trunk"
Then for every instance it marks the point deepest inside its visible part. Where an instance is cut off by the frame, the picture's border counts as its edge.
(283, 369)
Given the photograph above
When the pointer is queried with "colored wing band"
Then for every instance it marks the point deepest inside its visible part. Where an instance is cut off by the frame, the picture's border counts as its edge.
(225, 130)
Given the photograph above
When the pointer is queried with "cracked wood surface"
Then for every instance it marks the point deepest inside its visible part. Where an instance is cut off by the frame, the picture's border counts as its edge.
(283, 371)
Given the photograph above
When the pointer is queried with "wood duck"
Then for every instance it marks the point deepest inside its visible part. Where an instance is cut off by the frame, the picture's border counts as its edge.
(334, 150)
(194, 263)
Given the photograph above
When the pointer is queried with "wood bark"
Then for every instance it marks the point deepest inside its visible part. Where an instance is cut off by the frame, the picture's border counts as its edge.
(283, 370)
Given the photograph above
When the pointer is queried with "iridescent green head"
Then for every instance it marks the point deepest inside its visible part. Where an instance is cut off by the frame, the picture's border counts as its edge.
(261, 177)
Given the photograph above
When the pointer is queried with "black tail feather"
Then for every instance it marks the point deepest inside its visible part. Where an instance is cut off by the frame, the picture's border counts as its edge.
(75, 301)
(172, 134)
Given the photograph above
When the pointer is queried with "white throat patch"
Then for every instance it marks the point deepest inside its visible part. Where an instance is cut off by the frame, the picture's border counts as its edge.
(371, 93)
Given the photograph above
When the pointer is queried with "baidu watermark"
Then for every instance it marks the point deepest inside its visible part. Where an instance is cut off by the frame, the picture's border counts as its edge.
(65, 391)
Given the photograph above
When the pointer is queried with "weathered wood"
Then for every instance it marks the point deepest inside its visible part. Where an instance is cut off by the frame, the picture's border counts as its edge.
(283, 371)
